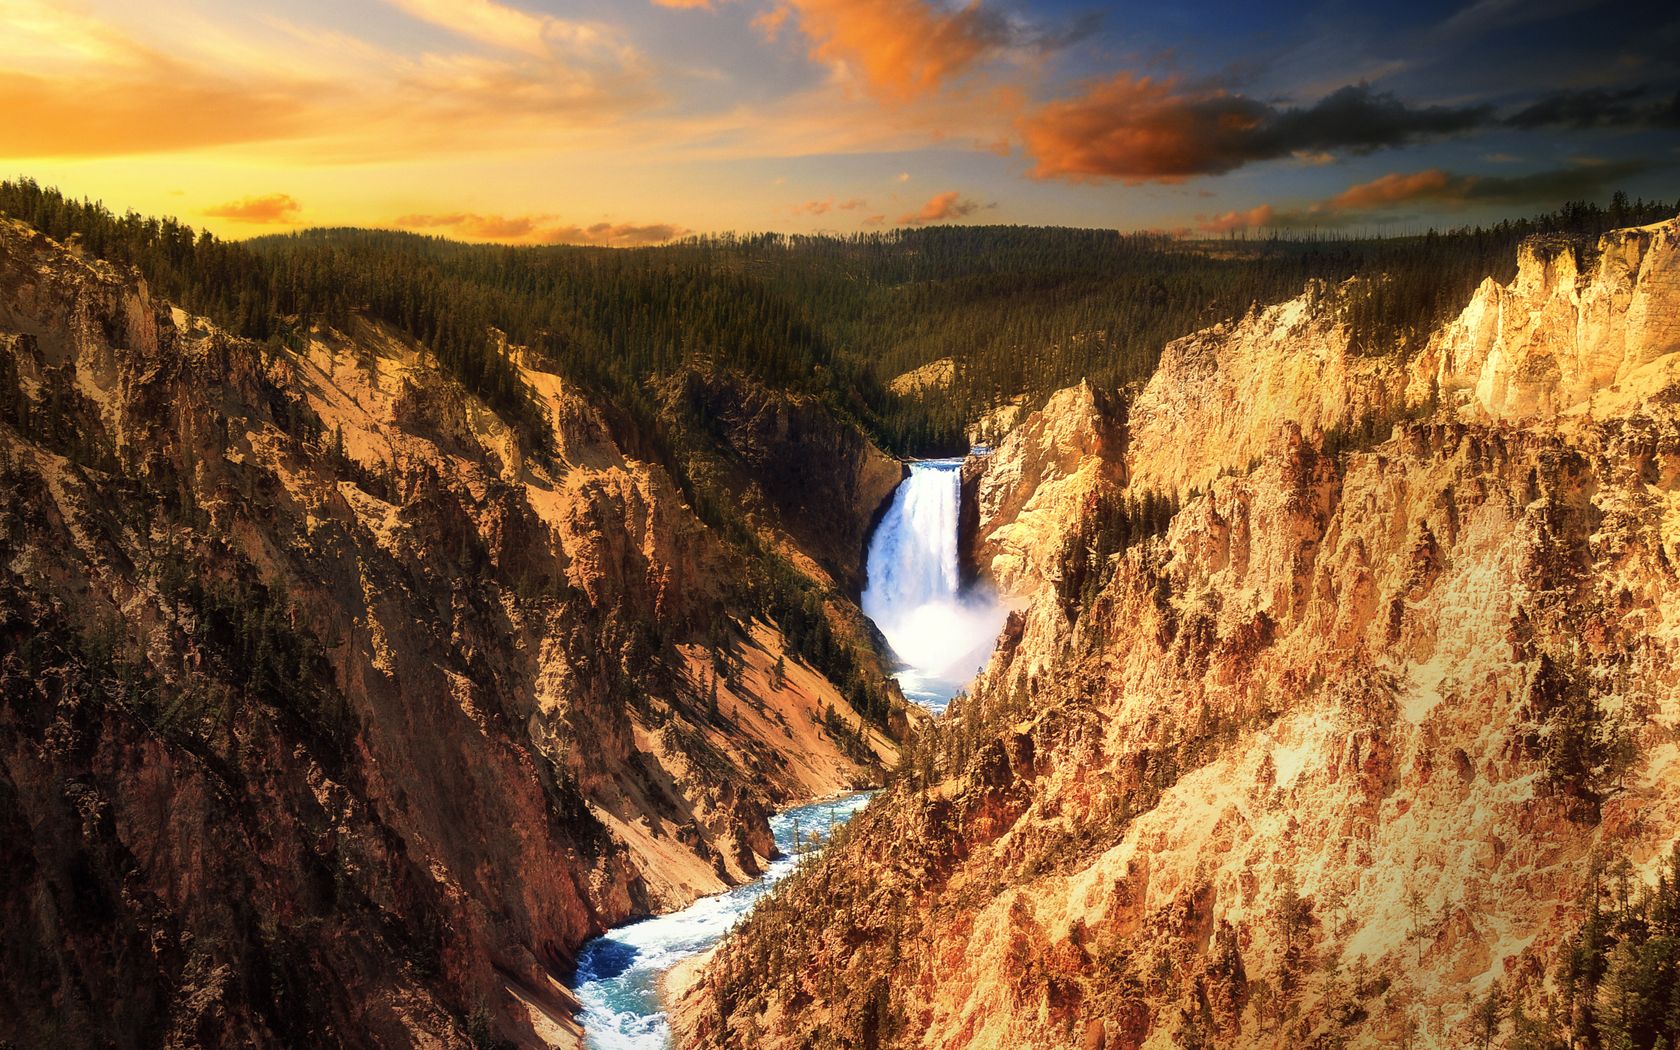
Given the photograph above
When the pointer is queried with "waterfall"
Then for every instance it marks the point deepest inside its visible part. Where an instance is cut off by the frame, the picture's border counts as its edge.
(940, 632)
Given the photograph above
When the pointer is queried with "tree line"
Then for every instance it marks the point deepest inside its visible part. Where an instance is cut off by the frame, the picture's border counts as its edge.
(1022, 311)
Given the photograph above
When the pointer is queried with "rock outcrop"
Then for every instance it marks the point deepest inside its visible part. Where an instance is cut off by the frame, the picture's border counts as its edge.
(1219, 396)
(1327, 762)
(1556, 339)
(1045, 473)
(789, 465)
(331, 713)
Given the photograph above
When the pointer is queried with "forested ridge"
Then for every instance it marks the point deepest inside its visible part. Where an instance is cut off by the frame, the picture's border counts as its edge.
(1022, 311)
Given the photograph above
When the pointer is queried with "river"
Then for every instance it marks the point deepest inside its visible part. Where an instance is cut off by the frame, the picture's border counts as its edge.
(619, 972)
(940, 634)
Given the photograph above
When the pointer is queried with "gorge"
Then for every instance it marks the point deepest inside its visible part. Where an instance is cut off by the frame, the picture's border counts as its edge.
(1336, 721)
(939, 631)
(407, 643)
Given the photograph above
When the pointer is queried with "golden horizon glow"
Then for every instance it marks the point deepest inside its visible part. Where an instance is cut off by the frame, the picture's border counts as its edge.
(628, 123)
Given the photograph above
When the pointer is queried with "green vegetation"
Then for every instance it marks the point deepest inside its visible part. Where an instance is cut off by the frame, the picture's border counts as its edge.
(1618, 979)
(1109, 528)
(1023, 311)
(1584, 752)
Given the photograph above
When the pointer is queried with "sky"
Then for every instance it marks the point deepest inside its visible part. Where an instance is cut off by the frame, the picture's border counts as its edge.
(630, 122)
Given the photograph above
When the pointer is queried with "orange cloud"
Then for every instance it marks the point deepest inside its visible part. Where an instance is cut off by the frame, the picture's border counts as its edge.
(616, 235)
(267, 208)
(823, 207)
(473, 225)
(118, 113)
(1132, 128)
(1369, 201)
(685, 4)
(540, 229)
(74, 85)
(1254, 218)
(1394, 188)
(485, 21)
(942, 207)
(771, 21)
(899, 48)
(1546, 187)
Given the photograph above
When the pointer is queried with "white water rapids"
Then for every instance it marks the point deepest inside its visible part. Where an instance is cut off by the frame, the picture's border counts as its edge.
(619, 972)
(941, 636)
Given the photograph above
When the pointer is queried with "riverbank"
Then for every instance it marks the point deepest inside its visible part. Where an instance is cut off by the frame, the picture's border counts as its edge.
(623, 975)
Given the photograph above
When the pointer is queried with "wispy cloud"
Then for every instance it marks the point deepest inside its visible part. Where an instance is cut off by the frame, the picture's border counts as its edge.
(71, 85)
(823, 207)
(515, 29)
(541, 229)
(1398, 193)
(942, 207)
(76, 85)
(1600, 108)
(280, 208)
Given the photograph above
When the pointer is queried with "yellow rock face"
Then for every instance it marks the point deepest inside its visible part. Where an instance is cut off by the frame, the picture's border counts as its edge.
(1285, 779)
(551, 708)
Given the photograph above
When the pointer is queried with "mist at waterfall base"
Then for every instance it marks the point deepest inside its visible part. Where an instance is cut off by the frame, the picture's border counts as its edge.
(618, 973)
(942, 636)
(941, 632)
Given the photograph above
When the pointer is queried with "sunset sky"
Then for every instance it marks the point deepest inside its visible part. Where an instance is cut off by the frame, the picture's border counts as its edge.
(632, 121)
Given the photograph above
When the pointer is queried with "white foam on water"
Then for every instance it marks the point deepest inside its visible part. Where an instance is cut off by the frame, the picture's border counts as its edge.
(942, 632)
(618, 973)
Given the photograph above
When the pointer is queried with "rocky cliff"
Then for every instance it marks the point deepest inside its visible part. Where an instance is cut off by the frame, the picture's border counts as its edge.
(1335, 757)
(813, 485)
(336, 711)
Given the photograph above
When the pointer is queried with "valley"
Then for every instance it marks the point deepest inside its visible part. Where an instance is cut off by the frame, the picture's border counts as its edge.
(1332, 721)
(384, 629)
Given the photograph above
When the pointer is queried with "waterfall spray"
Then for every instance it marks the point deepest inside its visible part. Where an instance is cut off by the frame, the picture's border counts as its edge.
(940, 632)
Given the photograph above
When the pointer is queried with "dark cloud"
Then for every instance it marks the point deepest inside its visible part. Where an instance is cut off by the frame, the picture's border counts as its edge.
(1389, 196)
(1137, 129)
(1359, 119)
(1551, 187)
(1548, 188)
(1599, 108)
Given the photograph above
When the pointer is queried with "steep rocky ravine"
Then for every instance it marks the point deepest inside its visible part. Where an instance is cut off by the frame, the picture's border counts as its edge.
(331, 714)
(1331, 758)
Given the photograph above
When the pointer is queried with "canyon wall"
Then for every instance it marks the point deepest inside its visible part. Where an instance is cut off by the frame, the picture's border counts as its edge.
(334, 710)
(1337, 756)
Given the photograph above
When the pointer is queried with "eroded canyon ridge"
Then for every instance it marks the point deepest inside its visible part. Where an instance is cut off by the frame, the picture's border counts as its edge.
(336, 715)
(1367, 738)
(350, 681)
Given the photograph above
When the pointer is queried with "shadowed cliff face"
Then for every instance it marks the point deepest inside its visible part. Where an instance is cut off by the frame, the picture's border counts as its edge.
(790, 465)
(1328, 760)
(331, 714)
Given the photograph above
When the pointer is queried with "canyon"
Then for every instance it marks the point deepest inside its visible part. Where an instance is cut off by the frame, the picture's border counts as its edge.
(1341, 747)
(1325, 692)
(318, 673)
